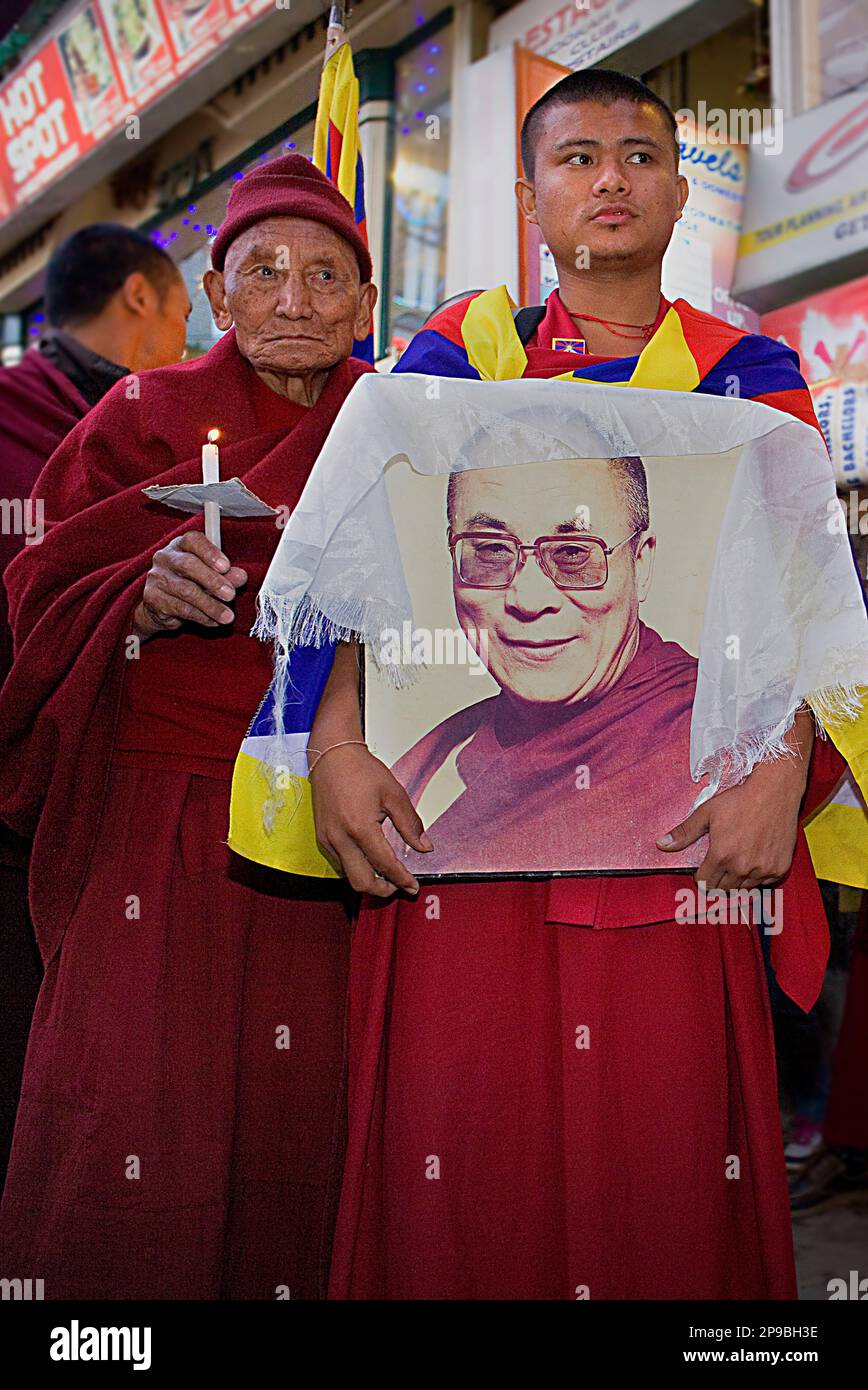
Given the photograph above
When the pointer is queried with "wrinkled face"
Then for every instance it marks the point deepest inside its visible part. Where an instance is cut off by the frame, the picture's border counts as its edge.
(291, 288)
(545, 644)
(165, 329)
(605, 178)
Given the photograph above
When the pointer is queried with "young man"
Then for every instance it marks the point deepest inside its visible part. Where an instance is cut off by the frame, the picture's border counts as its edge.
(557, 1090)
(181, 1121)
(115, 304)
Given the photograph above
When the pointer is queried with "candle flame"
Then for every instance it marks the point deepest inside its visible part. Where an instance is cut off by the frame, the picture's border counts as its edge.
(213, 436)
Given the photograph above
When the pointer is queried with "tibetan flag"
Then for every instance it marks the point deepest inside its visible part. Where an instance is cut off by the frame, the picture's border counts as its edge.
(337, 147)
(271, 812)
(476, 338)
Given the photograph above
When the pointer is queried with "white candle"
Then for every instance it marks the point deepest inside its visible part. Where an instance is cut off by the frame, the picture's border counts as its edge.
(211, 458)
(211, 474)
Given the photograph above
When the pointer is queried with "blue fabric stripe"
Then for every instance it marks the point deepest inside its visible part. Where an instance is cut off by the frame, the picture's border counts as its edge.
(359, 201)
(310, 668)
(435, 355)
(760, 365)
(620, 369)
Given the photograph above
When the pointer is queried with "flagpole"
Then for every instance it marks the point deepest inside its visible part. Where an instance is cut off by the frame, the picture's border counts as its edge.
(337, 30)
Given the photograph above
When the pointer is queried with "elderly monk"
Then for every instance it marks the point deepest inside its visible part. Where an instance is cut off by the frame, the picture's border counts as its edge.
(180, 1128)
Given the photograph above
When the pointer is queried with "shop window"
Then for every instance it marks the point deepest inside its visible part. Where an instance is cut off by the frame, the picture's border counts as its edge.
(420, 184)
(835, 48)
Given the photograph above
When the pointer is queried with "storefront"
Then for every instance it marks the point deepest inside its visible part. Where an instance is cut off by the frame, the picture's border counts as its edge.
(443, 91)
(804, 248)
(716, 54)
(176, 188)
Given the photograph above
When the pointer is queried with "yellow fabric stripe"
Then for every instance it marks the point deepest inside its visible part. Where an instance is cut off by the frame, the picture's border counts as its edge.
(490, 337)
(666, 362)
(837, 841)
(838, 834)
(850, 737)
(339, 102)
(291, 846)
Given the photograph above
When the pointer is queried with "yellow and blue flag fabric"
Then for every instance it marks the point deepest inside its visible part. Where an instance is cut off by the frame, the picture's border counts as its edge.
(271, 813)
(337, 147)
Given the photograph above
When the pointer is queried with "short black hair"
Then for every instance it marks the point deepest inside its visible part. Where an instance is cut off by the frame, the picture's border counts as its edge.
(92, 264)
(630, 479)
(603, 85)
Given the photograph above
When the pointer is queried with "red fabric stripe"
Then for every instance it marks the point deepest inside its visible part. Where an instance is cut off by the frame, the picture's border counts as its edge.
(707, 337)
(336, 142)
(797, 402)
(448, 323)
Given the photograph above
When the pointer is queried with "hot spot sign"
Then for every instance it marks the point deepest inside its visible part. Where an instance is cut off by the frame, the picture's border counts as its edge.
(104, 61)
(38, 121)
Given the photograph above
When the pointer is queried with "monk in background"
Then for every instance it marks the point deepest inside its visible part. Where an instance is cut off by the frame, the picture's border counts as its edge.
(181, 1124)
(115, 304)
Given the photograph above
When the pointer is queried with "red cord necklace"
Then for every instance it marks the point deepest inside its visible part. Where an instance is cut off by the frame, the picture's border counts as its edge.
(645, 329)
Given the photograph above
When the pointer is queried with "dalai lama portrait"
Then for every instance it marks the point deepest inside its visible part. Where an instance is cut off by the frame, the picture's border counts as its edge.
(582, 758)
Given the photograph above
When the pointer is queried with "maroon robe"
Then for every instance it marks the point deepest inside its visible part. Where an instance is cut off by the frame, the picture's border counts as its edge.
(39, 406)
(180, 1127)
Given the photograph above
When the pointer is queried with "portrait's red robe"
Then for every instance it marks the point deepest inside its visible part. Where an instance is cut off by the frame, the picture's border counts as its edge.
(598, 809)
(558, 1091)
(180, 1126)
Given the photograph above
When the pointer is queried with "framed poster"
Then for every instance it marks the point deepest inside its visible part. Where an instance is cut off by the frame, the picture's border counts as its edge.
(585, 610)
(558, 609)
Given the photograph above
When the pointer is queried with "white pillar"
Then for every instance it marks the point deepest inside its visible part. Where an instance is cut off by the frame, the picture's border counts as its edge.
(374, 119)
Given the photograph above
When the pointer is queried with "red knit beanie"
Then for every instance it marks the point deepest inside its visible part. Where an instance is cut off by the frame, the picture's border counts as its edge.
(289, 187)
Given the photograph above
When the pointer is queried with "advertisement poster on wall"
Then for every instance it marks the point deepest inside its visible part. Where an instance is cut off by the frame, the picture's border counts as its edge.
(829, 331)
(193, 27)
(700, 263)
(579, 35)
(93, 80)
(105, 61)
(808, 207)
(140, 44)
